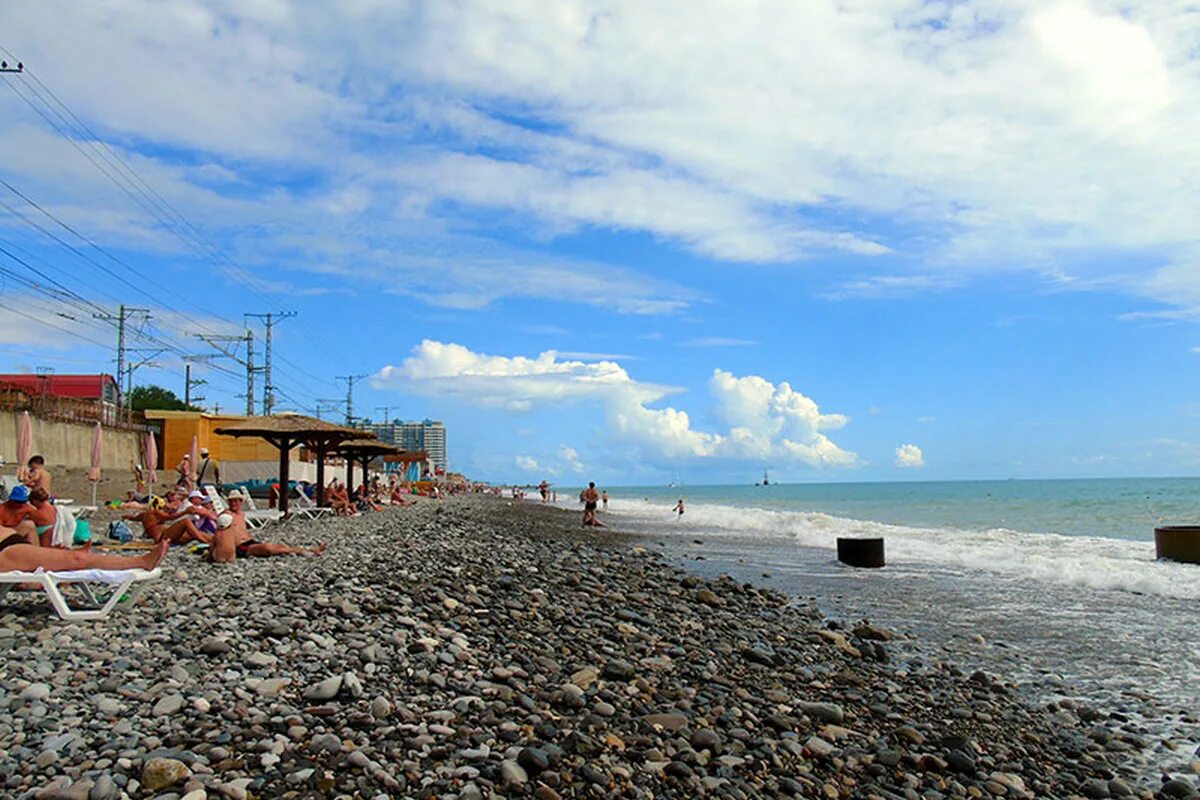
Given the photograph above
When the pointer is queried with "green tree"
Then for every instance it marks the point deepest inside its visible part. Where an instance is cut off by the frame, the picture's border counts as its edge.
(144, 397)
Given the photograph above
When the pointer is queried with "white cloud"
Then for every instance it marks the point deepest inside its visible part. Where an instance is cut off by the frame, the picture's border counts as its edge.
(909, 456)
(527, 463)
(766, 421)
(571, 457)
(986, 135)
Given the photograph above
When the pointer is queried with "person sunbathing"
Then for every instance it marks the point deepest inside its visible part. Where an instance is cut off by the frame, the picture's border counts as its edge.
(181, 530)
(15, 513)
(398, 498)
(18, 555)
(335, 495)
(44, 515)
(203, 515)
(233, 541)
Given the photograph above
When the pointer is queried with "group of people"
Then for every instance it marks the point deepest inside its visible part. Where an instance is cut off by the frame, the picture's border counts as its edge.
(27, 520)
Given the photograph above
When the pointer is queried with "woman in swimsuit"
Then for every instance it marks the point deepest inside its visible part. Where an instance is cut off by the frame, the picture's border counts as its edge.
(44, 515)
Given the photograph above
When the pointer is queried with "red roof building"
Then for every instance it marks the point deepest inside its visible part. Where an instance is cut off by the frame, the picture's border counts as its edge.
(101, 387)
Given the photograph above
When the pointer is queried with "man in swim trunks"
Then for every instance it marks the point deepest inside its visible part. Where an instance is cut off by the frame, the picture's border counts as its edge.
(14, 517)
(44, 515)
(590, 497)
(233, 541)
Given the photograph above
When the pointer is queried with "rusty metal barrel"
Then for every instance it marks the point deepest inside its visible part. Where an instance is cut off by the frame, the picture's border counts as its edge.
(865, 553)
(1178, 543)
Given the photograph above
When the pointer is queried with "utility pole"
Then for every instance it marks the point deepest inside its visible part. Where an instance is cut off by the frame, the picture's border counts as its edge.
(350, 381)
(216, 342)
(123, 314)
(189, 381)
(269, 321)
(132, 368)
(328, 404)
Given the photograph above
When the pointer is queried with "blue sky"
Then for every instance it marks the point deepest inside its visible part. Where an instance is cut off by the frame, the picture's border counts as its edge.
(633, 242)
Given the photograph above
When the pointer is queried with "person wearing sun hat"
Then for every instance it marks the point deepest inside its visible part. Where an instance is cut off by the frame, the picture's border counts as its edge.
(233, 541)
(15, 517)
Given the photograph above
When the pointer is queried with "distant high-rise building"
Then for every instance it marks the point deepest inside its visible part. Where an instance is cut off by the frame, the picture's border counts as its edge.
(427, 435)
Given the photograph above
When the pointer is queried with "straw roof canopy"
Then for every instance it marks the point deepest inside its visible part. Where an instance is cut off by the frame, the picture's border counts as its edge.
(363, 447)
(295, 427)
(407, 457)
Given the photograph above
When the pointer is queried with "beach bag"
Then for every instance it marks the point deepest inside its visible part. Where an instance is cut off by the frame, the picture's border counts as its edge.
(119, 530)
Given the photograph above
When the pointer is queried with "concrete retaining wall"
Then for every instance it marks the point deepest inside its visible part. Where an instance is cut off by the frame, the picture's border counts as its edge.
(70, 444)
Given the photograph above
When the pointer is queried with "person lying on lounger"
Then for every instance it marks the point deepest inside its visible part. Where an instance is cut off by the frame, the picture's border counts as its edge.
(233, 540)
(18, 555)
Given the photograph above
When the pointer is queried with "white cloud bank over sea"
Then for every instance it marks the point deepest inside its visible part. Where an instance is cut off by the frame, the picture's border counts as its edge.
(765, 421)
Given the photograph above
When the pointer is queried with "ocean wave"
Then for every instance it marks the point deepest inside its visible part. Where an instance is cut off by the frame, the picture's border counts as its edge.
(1095, 562)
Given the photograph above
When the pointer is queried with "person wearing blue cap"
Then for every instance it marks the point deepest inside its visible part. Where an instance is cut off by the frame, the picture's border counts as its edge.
(15, 515)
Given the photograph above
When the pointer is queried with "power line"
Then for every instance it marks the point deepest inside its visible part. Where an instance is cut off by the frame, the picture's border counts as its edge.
(350, 381)
(269, 321)
(39, 96)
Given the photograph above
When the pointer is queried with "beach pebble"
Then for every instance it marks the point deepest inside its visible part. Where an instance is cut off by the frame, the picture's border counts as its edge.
(159, 773)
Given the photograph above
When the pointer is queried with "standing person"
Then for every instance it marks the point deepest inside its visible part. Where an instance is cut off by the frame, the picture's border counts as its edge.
(184, 468)
(678, 508)
(203, 473)
(38, 476)
(604, 499)
(589, 496)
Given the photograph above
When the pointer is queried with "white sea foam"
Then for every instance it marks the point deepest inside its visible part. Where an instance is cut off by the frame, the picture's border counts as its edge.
(1095, 562)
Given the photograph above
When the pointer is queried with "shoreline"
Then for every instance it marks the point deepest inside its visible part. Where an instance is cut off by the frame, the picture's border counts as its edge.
(480, 647)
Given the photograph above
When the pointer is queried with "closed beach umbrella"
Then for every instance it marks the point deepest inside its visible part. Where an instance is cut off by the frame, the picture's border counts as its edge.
(24, 444)
(97, 453)
(151, 462)
(195, 460)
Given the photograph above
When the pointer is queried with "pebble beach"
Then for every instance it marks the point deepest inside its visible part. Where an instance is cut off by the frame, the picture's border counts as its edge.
(477, 648)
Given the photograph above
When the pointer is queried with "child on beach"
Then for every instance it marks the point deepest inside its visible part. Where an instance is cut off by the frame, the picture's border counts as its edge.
(678, 508)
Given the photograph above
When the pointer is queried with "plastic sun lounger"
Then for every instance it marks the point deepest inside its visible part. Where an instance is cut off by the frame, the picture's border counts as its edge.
(121, 581)
(255, 518)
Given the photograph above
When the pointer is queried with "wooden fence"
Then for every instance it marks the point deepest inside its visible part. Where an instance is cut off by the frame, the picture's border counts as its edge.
(69, 409)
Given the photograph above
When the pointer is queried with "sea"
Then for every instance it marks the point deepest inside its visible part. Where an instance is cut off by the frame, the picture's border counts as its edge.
(1052, 584)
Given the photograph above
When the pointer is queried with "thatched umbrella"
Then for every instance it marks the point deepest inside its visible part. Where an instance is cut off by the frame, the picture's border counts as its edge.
(286, 431)
(364, 450)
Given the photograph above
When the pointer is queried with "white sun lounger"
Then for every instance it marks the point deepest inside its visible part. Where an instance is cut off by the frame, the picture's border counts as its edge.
(306, 508)
(255, 518)
(120, 581)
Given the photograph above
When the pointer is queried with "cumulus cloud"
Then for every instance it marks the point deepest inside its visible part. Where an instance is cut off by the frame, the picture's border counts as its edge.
(571, 457)
(527, 463)
(766, 421)
(909, 456)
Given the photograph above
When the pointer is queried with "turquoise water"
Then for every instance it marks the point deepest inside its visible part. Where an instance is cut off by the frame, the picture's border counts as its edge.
(1110, 508)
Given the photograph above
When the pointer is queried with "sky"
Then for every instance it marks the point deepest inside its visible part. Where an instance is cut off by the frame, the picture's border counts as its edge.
(630, 242)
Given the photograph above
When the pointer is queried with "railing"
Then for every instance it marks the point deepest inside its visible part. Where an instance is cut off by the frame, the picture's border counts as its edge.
(69, 409)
